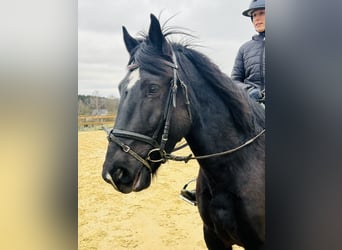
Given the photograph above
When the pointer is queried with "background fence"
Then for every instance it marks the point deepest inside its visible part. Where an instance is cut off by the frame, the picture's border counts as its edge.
(95, 122)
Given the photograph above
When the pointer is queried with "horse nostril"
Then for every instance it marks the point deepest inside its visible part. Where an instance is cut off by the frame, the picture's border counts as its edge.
(121, 175)
(118, 174)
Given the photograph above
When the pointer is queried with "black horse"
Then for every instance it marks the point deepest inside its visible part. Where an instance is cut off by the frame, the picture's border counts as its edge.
(172, 91)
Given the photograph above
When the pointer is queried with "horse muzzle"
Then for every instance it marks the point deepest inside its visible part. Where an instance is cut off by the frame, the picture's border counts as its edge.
(124, 180)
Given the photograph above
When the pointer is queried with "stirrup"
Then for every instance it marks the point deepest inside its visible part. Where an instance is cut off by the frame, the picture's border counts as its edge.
(188, 196)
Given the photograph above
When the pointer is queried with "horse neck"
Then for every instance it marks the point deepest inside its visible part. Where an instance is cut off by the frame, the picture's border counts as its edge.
(213, 128)
(213, 131)
(222, 113)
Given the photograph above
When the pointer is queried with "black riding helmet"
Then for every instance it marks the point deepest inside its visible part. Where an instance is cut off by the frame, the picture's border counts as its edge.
(255, 5)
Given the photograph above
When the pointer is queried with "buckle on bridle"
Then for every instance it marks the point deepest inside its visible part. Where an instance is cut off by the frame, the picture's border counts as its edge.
(156, 155)
(125, 148)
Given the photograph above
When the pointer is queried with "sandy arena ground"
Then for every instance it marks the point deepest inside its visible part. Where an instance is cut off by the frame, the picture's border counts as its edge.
(155, 218)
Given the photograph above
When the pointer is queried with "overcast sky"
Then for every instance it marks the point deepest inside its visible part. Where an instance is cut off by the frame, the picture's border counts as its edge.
(219, 25)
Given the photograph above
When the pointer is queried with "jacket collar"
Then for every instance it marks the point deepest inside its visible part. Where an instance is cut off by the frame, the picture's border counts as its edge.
(259, 37)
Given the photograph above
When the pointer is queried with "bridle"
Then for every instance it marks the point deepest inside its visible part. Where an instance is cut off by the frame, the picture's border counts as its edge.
(114, 135)
(159, 148)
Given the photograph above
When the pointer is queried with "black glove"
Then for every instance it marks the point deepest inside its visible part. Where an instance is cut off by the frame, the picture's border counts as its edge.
(254, 93)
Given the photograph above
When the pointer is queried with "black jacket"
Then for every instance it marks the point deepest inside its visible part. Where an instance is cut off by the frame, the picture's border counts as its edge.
(249, 67)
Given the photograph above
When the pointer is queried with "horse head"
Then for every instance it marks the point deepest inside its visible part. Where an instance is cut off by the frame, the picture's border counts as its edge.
(152, 115)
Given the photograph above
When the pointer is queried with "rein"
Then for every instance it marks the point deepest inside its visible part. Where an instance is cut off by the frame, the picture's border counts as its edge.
(201, 157)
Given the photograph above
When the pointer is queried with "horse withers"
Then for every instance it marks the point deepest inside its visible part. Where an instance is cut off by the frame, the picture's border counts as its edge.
(172, 91)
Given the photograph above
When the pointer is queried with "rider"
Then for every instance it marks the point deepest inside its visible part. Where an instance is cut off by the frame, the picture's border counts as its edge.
(248, 70)
(249, 67)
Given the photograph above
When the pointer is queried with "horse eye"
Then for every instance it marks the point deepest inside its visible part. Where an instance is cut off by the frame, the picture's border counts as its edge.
(153, 89)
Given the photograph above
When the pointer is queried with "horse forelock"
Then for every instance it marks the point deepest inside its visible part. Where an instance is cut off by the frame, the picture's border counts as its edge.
(150, 58)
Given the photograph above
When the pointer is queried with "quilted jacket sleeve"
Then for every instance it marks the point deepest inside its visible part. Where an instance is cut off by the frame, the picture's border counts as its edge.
(238, 72)
(249, 66)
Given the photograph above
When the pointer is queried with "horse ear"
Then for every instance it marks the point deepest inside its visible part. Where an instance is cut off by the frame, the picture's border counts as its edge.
(130, 42)
(156, 36)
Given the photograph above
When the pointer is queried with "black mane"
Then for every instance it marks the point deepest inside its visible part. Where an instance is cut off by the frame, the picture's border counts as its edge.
(247, 114)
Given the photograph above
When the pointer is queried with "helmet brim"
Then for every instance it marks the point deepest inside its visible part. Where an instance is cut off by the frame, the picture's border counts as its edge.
(248, 13)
